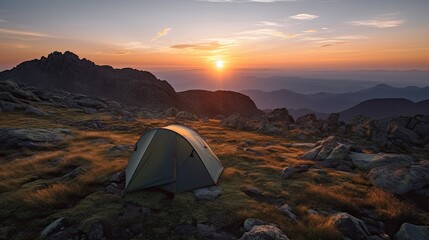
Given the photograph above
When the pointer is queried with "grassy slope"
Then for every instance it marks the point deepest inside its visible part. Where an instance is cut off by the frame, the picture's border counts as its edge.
(31, 197)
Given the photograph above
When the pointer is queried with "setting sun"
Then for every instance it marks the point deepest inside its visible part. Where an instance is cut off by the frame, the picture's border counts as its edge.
(219, 64)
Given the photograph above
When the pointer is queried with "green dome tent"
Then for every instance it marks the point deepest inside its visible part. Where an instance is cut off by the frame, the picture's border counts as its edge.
(174, 158)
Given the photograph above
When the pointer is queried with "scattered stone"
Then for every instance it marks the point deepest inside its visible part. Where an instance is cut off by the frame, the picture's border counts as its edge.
(264, 232)
(400, 179)
(207, 193)
(252, 191)
(349, 226)
(118, 177)
(312, 212)
(249, 223)
(90, 110)
(329, 148)
(366, 161)
(289, 171)
(375, 227)
(72, 175)
(186, 116)
(114, 189)
(285, 209)
(412, 232)
(53, 227)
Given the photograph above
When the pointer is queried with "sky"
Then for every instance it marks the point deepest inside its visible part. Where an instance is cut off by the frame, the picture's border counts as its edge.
(280, 34)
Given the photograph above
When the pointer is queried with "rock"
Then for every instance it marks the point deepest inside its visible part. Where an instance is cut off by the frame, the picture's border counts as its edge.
(96, 231)
(309, 120)
(289, 171)
(280, 115)
(9, 106)
(269, 128)
(333, 119)
(330, 148)
(91, 124)
(206, 230)
(312, 212)
(366, 161)
(186, 116)
(252, 191)
(7, 97)
(118, 177)
(114, 189)
(53, 227)
(92, 103)
(285, 209)
(171, 112)
(32, 110)
(374, 227)
(127, 234)
(397, 132)
(207, 193)
(235, 121)
(264, 232)
(120, 149)
(400, 179)
(185, 230)
(15, 90)
(72, 175)
(33, 137)
(249, 223)
(349, 226)
(412, 232)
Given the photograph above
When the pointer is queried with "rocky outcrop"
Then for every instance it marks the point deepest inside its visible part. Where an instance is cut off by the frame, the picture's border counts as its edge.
(207, 103)
(350, 226)
(207, 193)
(412, 232)
(280, 115)
(366, 161)
(68, 72)
(309, 120)
(264, 232)
(236, 121)
(33, 137)
(400, 179)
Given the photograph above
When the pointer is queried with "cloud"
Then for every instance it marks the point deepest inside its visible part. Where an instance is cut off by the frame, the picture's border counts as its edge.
(352, 37)
(268, 24)
(332, 44)
(262, 33)
(112, 53)
(23, 33)
(161, 33)
(132, 45)
(309, 31)
(218, 45)
(304, 16)
(2, 20)
(378, 23)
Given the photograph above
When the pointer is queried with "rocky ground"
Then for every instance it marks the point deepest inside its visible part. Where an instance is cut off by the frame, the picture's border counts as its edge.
(62, 157)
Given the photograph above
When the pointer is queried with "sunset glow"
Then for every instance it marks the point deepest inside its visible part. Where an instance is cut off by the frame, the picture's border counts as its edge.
(253, 34)
(219, 64)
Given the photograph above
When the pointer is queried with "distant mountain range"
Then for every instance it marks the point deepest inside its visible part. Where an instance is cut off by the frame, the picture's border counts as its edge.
(332, 102)
(385, 108)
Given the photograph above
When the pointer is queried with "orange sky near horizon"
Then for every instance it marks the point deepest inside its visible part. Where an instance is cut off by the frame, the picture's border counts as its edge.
(306, 35)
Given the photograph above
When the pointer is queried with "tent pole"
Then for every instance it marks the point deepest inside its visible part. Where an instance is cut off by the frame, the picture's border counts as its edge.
(174, 164)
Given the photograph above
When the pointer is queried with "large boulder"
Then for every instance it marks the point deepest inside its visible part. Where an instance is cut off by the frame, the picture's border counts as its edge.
(186, 116)
(33, 137)
(329, 148)
(400, 179)
(367, 161)
(15, 90)
(268, 127)
(249, 223)
(309, 120)
(333, 119)
(349, 226)
(398, 132)
(236, 121)
(280, 115)
(412, 232)
(264, 232)
(53, 227)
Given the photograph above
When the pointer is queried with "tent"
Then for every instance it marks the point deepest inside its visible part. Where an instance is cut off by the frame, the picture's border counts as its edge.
(174, 158)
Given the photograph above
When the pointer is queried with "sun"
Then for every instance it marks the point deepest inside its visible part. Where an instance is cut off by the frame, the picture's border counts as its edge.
(219, 64)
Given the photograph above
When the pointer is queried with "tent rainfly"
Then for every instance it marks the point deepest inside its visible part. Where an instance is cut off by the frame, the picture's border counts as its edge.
(174, 158)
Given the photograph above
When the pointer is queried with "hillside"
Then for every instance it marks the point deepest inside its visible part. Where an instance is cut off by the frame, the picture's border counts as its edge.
(68, 72)
(332, 102)
(386, 107)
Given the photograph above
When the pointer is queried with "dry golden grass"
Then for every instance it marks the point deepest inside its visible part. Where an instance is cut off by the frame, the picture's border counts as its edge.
(55, 195)
(388, 205)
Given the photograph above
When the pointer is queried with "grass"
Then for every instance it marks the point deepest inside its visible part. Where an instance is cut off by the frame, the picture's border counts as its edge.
(30, 186)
